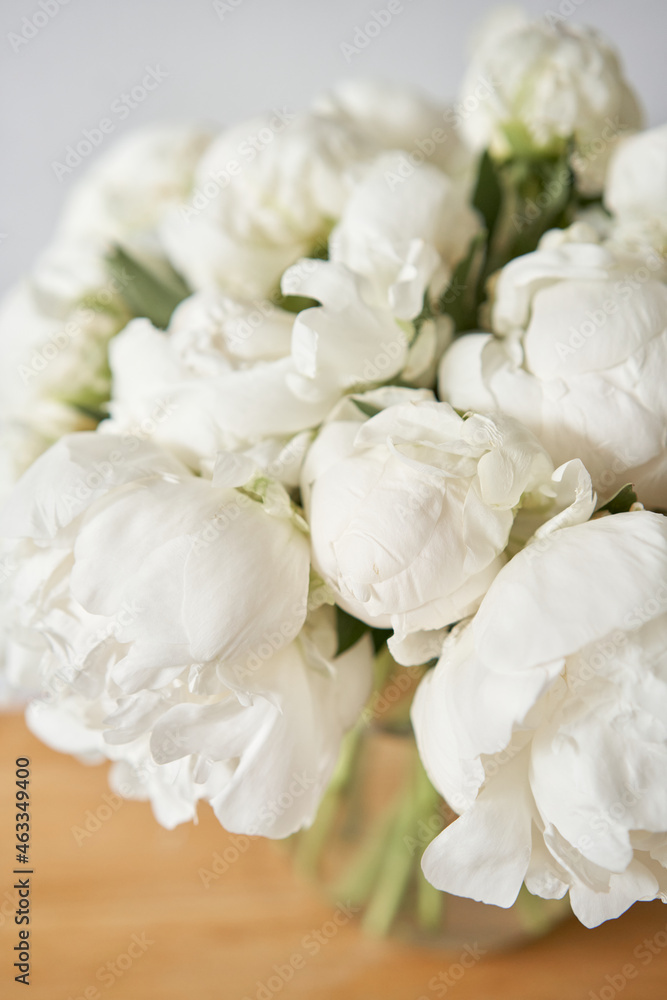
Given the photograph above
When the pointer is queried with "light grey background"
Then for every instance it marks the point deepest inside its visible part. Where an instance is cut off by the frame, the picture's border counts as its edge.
(227, 65)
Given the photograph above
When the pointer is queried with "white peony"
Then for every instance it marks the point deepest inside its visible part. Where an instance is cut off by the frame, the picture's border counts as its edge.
(124, 195)
(261, 753)
(578, 356)
(636, 189)
(411, 511)
(56, 325)
(139, 524)
(54, 332)
(354, 339)
(154, 607)
(545, 724)
(404, 229)
(250, 377)
(532, 87)
(69, 723)
(266, 193)
(637, 181)
(396, 117)
(217, 379)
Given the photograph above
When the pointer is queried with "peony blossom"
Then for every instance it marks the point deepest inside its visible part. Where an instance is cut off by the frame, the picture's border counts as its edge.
(217, 379)
(531, 87)
(158, 609)
(139, 524)
(269, 191)
(265, 194)
(411, 511)
(637, 182)
(123, 197)
(578, 354)
(404, 229)
(544, 724)
(636, 189)
(251, 377)
(54, 332)
(55, 326)
(346, 342)
(260, 750)
(398, 118)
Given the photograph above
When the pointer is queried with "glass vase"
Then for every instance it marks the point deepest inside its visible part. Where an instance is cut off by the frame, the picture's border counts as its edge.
(379, 814)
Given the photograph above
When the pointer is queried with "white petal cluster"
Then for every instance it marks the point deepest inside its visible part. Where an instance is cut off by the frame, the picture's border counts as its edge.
(54, 333)
(533, 87)
(126, 193)
(395, 117)
(577, 353)
(253, 378)
(412, 510)
(172, 620)
(56, 325)
(636, 190)
(404, 229)
(269, 191)
(544, 724)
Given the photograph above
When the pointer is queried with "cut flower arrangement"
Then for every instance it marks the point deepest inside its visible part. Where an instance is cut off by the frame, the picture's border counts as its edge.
(355, 419)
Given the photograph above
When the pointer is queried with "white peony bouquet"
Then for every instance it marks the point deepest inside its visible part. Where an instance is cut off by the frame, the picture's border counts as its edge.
(332, 399)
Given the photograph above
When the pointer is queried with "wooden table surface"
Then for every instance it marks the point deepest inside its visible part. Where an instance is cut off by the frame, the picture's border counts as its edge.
(124, 914)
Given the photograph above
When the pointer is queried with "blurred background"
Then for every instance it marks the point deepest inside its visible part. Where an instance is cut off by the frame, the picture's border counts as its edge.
(223, 61)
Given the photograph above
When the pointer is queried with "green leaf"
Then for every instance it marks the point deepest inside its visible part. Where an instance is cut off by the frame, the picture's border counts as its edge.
(621, 502)
(366, 408)
(460, 298)
(97, 414)
(297, 303)
(379, 637)
(488, 196)
(546, 198)
(489, 200)
(294, 303)
(321, 249)
(145, 292)
(349, 629)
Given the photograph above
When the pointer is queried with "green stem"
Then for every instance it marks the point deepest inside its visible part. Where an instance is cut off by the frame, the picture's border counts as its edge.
(311, 842)
(401, 862)
(397, 866)
(430, 901)
(359, 880)
(537, 915)
(430, 904)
